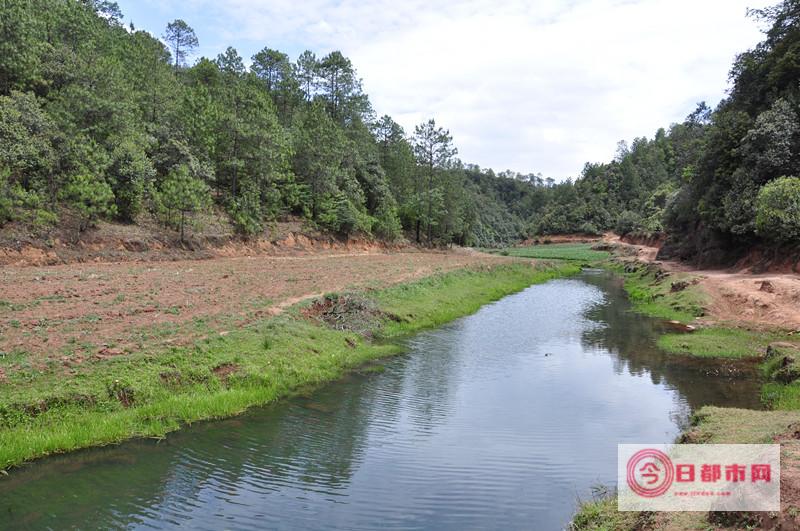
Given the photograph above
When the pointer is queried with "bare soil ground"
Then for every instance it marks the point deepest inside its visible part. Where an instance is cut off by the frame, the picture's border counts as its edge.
(739, 297)
(76, 313)
(147, 241)
(559, 238)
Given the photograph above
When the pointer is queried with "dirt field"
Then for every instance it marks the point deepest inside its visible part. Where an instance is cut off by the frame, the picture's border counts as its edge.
(71, 314)
(740, 297)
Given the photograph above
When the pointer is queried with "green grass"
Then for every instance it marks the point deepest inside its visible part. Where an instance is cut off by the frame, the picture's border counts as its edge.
(601, 515)
(725, 425)
(148, 394)
(782, 370)
(436, 300)
(558, 251)
(784, 397)
(721, 342)
(651, 292)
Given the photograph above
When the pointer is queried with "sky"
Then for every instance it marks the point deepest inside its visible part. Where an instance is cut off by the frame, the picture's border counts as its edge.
(532, 86)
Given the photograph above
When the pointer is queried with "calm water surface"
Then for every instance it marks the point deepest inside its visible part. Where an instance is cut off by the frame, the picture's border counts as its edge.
(500, 420)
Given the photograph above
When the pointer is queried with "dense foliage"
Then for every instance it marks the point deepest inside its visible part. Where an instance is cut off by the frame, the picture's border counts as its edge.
(99, 120)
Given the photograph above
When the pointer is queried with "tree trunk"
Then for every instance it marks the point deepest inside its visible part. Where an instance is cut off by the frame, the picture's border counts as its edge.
(430, 204)
(235, 162)
(183, 219)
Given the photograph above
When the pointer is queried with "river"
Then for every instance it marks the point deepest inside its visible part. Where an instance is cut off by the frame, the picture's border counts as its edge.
(500, 420)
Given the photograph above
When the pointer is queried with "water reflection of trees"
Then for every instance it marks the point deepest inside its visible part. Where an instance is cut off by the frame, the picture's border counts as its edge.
(632, 339)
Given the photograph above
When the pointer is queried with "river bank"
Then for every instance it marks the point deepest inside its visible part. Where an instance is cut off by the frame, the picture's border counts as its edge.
(153, 392)
(705, 328)
(494, 420)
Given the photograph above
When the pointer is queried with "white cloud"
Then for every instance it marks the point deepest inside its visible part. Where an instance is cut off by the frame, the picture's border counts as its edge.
(532, 86)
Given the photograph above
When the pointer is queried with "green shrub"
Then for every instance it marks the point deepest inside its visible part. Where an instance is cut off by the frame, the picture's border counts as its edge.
(184, 194)
(91, 197)
(778, 210)
(386, 225)
(589, 228)
(130, 171)
(628, 222)
(246, 212)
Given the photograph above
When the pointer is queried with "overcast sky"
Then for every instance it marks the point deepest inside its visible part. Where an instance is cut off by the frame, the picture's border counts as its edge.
(532, 86)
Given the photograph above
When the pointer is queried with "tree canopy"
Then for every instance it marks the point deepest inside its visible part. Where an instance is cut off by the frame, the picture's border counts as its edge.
(110, 122)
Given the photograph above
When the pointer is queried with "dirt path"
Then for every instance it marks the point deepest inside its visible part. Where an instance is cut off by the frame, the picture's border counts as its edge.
(739, 297)
(68, 314)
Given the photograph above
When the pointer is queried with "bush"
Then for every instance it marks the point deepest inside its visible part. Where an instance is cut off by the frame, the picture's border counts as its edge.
(91, 197)
(339, 215)
(589, 228)
(18, 204)
(246, 212)
(131, 171)
(778, 210)
(628, 222)
(181, 193)
(387, 224)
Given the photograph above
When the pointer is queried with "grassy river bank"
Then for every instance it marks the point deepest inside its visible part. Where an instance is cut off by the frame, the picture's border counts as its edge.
(151, 393)
(677, 297)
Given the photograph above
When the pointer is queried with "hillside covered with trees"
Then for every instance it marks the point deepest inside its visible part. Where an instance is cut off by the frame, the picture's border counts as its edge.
(99, 120)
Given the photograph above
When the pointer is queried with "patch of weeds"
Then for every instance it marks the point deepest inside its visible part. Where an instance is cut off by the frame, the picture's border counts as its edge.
(122, 392)
(173, 310)
(347, 312)
(86, 346)
(171, 379)
(601, 514)
(261, 302)
(13, 357)
(720, 342)
(16, 307)
(661, 294)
